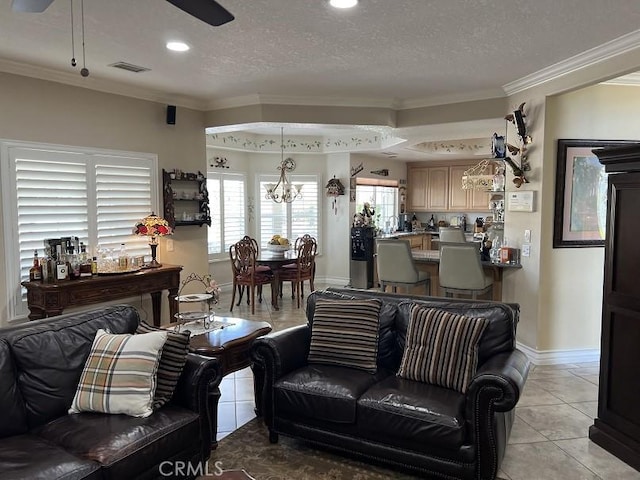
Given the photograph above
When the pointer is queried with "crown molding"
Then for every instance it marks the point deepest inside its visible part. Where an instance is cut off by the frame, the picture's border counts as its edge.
(99, 84)
(618, 46)
(630, 80)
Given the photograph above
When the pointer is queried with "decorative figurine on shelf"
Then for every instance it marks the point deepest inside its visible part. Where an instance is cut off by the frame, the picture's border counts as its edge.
(367, 215)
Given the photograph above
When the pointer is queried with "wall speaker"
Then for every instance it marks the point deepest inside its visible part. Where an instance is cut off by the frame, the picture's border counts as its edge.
(171, 114)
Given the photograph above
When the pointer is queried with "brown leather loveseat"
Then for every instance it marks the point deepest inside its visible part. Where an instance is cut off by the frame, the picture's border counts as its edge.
(430, 430)
(40, 365)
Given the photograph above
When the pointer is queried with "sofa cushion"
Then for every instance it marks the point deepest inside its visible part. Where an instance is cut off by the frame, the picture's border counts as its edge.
(413, 415)
(125, 446)
(172, 360)
(48, 381)
(345, 333)
(13, 419)
(441, 348)
(324, 392)
(499, 336)
(120, 374)
(388, 354)
(28, 456)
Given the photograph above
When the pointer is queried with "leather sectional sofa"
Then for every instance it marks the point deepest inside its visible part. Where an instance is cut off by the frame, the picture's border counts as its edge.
(426, 429)
(40, 365)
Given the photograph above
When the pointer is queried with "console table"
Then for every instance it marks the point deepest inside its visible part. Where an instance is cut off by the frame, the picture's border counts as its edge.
(49, 299)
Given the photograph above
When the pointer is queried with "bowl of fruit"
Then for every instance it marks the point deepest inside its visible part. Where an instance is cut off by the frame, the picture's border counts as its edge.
(278, 244)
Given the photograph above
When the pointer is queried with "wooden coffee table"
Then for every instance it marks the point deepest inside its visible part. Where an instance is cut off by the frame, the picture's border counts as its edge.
(231, 345)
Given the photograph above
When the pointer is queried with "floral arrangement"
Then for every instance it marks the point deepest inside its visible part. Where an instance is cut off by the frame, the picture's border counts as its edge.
(152, 226)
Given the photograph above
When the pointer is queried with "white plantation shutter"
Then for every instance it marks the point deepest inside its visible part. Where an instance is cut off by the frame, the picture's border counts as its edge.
(51, 201)
(123, 196)
(294, 219)
(304, 210)
(53, 192)
(227, 205)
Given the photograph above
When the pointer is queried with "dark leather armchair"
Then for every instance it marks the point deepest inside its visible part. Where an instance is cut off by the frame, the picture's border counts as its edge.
(427, 429)
(40, 365)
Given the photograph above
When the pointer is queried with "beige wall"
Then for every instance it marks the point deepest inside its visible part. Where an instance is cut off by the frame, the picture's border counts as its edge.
(40, 111)
(570, 301)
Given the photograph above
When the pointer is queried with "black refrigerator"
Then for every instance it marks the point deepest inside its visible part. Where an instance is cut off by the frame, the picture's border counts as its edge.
(362, 257)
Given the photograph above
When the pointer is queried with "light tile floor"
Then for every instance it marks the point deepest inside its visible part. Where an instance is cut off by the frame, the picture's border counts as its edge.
(549, 439)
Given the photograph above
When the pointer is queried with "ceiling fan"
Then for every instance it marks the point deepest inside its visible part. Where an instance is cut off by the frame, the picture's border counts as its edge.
(209, 11)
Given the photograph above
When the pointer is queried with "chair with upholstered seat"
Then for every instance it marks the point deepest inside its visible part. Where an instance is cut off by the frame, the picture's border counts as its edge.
(460, 270)
(396, 267)
(451, 234)
(293, 265)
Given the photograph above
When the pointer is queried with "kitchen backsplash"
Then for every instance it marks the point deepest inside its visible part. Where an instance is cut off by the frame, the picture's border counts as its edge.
(450, 217)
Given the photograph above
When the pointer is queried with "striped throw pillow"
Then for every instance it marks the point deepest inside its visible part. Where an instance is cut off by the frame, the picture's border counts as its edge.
(119, 375)
(441, 348)
(345, 333)
(172, 360)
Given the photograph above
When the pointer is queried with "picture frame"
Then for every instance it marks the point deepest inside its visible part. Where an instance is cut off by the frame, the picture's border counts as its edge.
(580, 194)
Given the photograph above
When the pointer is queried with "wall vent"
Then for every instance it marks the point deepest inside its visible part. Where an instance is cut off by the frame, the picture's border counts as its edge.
(129, 67)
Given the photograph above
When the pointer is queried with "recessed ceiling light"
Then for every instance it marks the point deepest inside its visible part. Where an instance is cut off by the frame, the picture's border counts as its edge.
(178, 46)
(343, 3)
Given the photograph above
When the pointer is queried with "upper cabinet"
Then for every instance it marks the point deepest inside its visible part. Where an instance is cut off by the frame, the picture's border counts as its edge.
(186, 199)
(438, 188)
(427, 188)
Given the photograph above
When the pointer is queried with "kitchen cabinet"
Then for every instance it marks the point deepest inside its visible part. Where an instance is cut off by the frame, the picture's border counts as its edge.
(415, 241)
(186, 199)
(428, 189)
(439, 189)
(617, 426)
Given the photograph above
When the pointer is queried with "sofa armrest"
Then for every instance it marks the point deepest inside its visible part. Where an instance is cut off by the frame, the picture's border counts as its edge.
(492, 396)
(199, 375)
(275, 355)
(505, 373)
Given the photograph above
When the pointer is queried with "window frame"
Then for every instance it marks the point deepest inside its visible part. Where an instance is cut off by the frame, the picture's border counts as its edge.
(16, 308)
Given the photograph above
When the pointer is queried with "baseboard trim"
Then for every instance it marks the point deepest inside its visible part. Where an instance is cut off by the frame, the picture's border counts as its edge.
(555, 357)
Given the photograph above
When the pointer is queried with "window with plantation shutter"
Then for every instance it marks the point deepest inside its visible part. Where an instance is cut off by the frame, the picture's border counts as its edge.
(53, 192)
(294, 219)
(227, 205)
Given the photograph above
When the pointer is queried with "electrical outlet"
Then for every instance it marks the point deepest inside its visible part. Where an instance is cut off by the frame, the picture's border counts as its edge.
(169, 245)
(527, 235)
(526, 250)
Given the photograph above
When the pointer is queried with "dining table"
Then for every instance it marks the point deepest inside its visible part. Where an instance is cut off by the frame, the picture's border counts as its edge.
(276, 261)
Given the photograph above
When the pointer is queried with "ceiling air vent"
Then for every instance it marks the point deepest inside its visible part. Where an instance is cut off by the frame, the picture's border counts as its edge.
(129, 67)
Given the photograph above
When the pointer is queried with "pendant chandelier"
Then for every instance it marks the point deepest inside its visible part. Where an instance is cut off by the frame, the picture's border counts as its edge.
(283, 191)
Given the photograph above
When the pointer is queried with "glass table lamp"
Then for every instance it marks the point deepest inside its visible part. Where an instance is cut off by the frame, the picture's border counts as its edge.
(153, 227)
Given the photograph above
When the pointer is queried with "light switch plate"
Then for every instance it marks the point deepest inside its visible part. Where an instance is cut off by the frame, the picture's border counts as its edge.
(169, 245)
(527, 235)
(526, 250)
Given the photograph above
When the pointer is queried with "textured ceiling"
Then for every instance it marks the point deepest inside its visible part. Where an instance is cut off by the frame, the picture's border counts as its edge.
(381, 51)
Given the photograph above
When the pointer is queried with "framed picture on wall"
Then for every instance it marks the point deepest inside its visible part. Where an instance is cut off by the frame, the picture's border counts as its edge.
(581, 194)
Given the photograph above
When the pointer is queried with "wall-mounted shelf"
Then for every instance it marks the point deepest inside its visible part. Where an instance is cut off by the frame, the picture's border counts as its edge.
(186, 199)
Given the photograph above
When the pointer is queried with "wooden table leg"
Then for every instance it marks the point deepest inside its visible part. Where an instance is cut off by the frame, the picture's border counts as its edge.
(155, 306)
(275, 289)
(173, 304)
(214, 398)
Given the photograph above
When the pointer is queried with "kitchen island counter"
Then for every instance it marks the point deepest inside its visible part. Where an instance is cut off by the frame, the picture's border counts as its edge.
(429, 261)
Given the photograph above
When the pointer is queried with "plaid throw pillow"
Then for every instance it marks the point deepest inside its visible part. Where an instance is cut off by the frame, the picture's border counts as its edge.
(345, 333)
(172, 360)
(119, 375)
(441, 348)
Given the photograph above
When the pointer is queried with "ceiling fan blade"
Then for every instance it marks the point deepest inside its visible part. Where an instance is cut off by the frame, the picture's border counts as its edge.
(208, 11)
(30, 6)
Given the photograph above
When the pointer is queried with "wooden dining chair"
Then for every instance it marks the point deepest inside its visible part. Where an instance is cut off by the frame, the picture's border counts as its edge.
(245, 274)
(304, 268)
(299, 241)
